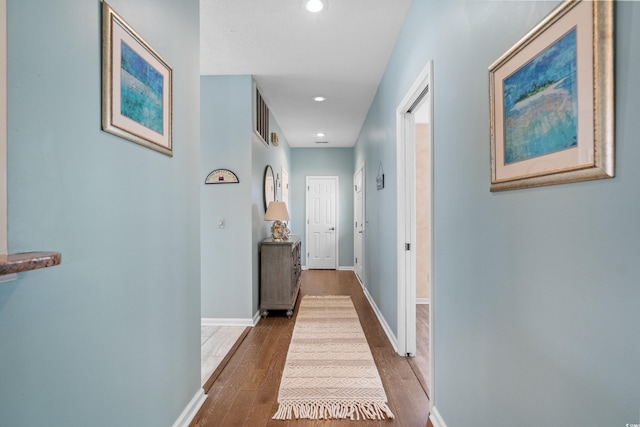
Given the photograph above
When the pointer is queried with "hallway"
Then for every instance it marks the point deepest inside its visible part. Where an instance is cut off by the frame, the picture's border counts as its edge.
(245, 393)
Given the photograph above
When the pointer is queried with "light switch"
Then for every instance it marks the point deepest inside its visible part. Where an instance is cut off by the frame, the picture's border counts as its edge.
(220, 222)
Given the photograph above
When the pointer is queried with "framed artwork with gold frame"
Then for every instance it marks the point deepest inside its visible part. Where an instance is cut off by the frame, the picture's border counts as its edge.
(136, 86)
(552, 101)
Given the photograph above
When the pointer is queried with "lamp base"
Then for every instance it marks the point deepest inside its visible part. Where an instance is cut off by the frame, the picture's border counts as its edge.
(279, 231)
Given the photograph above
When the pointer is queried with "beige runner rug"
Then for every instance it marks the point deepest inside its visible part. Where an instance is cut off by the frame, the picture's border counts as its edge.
(329, 372)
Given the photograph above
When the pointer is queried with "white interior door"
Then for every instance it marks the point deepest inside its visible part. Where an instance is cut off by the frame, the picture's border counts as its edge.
(358, 231)
(322, 224)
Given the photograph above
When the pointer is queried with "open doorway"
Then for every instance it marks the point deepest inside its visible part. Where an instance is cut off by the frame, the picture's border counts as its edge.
(415, 240)
(358, 231)
(422, 150)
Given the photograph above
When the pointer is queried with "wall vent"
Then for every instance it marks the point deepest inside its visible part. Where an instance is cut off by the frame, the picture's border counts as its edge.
(261, 118)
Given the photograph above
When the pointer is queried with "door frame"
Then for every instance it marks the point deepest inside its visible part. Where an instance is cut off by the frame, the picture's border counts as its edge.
(3, 131)
(337, 216)
(363, 258)
(406, 226)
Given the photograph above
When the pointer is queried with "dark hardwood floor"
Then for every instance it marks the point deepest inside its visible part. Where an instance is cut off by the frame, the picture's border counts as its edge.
(420, 363)
(245, 393)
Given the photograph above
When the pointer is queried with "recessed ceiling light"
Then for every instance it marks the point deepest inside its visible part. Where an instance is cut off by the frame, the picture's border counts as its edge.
(319, 98)
(314, 5)
(320, 134)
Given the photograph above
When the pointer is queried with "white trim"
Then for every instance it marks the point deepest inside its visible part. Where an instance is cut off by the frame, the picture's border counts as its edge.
(406, 209)
(346, 268)
(256, 318)
(361, 283)
(436, 418)
(191, 409)
(8, 278)
(3, 129)
(385, 326)
(228, 322)
(422, 300)
(362, 170)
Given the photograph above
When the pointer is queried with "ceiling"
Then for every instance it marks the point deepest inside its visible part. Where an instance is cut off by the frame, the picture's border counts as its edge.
(294, 55)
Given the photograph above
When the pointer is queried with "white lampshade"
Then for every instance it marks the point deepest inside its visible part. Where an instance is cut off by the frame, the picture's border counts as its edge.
(277, 211)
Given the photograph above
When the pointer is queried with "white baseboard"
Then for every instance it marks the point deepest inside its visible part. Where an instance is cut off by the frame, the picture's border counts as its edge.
(359, 280)
(229, 322)
(436, 418)
(340, 268)
(8, 277)
(256, 318)
(385, 326)
(422, 300)
(191, 410)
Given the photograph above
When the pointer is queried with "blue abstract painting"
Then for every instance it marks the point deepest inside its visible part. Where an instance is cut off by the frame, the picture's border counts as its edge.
(541, 103)
(140, 90)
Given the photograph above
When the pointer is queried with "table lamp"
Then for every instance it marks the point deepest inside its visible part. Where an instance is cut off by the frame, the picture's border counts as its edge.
(277, 212)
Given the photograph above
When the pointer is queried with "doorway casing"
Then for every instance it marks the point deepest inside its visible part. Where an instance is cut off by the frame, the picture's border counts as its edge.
(359, 211)
(420, 92)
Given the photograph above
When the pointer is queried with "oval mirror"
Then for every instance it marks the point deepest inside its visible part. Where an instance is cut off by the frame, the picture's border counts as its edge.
(269, 187)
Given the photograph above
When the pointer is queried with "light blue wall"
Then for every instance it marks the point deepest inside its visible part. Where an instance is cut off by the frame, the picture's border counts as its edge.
(324, 162)
(536, 291)
(111, 336)
(376, 150)
(230, 261)
(226, 109)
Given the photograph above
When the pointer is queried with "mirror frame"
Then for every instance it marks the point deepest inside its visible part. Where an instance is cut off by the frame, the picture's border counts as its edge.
(268, 183)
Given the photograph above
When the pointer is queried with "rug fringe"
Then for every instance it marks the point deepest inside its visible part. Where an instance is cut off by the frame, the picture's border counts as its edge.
(333, 410)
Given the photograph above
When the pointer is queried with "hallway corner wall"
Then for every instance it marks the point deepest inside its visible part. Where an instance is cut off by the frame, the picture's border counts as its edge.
(226, 143)
(111, 336)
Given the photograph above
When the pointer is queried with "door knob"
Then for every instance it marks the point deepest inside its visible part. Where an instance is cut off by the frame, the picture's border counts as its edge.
(332, 228)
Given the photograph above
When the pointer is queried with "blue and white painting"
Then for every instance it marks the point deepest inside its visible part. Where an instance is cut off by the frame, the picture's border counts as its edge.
(541, 103)
(140, 90)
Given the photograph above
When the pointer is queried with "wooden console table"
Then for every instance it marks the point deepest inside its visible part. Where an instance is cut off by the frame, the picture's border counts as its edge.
(279, 275)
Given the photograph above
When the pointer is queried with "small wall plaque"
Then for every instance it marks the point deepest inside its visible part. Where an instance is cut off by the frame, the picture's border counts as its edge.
(221, 176)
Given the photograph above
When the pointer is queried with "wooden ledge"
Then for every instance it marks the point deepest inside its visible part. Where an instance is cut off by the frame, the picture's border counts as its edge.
(17, 263)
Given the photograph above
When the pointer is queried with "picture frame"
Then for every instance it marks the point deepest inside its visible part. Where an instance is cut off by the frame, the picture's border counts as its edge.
(136, 86)
(284, 194)
(552, 101)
